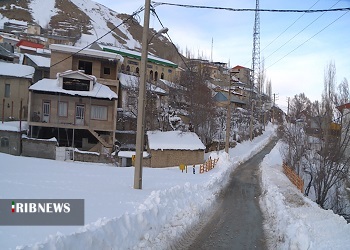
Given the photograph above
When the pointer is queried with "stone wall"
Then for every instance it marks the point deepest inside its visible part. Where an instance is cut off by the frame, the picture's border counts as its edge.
(170, 158)
(93, 157)
(10, 142)
(39, 148)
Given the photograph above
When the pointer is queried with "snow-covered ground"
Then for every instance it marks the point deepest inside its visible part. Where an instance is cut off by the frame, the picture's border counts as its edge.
(293, 221)
(120, 217)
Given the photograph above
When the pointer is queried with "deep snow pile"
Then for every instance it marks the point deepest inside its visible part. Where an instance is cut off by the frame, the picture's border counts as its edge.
(118, 216)
(292, 221)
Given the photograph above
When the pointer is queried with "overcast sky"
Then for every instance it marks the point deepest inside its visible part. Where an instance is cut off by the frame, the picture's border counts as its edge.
(294, 62)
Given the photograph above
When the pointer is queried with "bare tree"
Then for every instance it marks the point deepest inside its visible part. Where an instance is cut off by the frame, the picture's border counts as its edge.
(299, 104)
(322, 161)
(201, 107)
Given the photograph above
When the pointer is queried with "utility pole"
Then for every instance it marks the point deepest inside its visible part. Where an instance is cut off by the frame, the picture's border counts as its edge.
(142, 100)
(251, 122)
(228, 119)
(273, 108)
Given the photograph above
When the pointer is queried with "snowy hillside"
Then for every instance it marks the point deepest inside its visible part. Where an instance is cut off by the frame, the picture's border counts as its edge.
(94, 19)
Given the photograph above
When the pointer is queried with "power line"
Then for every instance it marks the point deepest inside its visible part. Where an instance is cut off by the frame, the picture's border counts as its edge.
(308, 40)
(177, 51)
(300, 31)
(288, 27)
(155, 4)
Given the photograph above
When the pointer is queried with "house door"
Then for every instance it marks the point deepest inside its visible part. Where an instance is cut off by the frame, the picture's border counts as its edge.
(79, 114)
(46, 111)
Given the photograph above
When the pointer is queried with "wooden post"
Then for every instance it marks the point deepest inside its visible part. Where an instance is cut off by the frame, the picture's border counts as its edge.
(3, 110)
(12, 110)
(20, 117)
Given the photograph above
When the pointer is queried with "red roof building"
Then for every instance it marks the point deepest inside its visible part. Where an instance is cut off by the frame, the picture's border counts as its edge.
(29, 44)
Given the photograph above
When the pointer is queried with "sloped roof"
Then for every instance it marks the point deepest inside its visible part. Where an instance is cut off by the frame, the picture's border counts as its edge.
(52, 86)
(16, 70)
(174, 140)
(4, 52)
(86, 52)
(135, 55)
(223, 97)
(344, 106)
(30, 44)
(40, 61)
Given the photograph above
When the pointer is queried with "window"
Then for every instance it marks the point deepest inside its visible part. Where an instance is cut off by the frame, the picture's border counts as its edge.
(7, 90)
(128, 68)
(86, 66)
(99, 112)
(4, 142)
(106, 71)
(63, 109)
(156, 76)
(162, 76)
(137, 70)
(170, 71)
(151, 75)
(76, 84)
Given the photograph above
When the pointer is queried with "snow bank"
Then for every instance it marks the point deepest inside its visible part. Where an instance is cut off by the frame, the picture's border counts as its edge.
(164, 215)
(292, 221)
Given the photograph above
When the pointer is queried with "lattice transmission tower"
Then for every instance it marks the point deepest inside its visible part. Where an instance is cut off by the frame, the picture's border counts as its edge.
(255, 74)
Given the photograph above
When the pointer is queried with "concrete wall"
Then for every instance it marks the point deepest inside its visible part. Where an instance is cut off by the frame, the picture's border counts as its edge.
(92, 157)
(14, 142)
(170, 158)
(39, 148)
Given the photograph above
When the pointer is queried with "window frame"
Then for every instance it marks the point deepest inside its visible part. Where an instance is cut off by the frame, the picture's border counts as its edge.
(99, 116)
(59, 108)
(7, 92)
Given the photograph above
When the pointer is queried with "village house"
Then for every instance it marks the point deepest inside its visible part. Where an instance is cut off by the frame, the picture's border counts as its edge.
(76, 109)
(243, 74)
(6, 38)
(173, 148)
(24, 46)
(10, 136)
(103, 65)
(157, 68)
(15, 80)
(7, 55)
(41, 65)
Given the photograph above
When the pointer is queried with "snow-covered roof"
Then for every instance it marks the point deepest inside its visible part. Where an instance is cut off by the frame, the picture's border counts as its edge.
(133, 81)
(52, 85)
(87, 52)
(176, 140)
(137, 55)
(40, 61)
(129, 154)
(172, 85)
(16, 70)
(13, 126)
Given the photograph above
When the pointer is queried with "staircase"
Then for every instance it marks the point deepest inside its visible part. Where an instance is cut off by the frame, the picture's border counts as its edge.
(100, 139)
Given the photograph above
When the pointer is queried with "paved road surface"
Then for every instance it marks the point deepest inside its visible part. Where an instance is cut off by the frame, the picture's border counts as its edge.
(237, 224)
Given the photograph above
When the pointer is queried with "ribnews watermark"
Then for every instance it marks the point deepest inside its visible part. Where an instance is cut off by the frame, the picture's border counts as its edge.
(42, 212)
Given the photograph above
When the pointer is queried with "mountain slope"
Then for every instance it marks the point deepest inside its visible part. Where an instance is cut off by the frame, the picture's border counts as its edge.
(84, 20)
